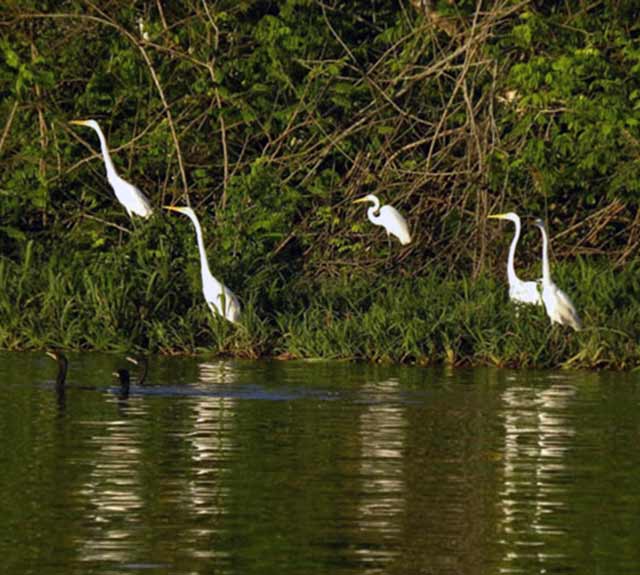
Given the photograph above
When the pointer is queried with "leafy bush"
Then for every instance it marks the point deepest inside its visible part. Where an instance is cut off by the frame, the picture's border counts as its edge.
(270, 117)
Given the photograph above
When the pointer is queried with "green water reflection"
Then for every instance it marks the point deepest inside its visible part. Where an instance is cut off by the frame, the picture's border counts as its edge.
(268, 467)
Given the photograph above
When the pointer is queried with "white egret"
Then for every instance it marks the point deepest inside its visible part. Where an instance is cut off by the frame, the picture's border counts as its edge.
(388, 217)
(133, 200)
(556, 302)
(220, 299)
(520, 291)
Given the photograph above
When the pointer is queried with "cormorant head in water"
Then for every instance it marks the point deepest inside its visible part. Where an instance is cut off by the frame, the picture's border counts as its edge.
(123, 375)
(143, 364)
(62, 362)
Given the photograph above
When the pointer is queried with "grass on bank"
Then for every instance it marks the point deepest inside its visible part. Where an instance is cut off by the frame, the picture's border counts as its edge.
(147, 297)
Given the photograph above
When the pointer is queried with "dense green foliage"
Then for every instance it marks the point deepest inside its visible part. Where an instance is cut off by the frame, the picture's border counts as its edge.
(425, 320)
(269, 118)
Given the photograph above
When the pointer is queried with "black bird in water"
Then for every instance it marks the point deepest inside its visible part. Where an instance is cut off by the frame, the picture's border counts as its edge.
(123, 375)
(125, 378)
(61, 378)
(143, 364)
(63, 364)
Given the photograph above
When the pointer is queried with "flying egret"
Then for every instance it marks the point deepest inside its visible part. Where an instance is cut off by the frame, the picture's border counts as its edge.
(220, 299)
(133, 200)
(388, 217)
(556, 302)
(519, 291)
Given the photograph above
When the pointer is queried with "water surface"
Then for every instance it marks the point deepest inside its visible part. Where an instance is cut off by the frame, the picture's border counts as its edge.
(316, 467)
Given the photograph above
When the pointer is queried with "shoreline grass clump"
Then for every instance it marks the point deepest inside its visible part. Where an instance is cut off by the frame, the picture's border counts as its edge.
(133, 297)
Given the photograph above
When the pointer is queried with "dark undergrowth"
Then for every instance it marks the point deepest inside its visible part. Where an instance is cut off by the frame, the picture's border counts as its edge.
(145, 295)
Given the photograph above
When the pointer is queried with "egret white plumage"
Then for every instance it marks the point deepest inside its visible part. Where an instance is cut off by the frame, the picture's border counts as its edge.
(388, 217)
(220, 299)
(520, 291)
(133, 200)
(559, 307)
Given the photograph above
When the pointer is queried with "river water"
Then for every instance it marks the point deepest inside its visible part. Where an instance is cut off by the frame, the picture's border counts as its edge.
(316, 467)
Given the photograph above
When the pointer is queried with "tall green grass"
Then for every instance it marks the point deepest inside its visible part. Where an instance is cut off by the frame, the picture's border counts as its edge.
(145, 294)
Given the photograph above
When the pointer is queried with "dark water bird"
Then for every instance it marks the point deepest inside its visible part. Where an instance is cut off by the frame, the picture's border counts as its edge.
(125, 385)
(143, 364)
(63, 365)
(560, 308)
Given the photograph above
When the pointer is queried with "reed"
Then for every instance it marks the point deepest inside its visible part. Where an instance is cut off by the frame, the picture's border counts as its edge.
(141, 297)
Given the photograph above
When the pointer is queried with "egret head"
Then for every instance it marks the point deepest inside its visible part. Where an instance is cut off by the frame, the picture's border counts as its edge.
(367, 198)
(89, 123)
(511, 216)
(183, 210)
(132, 360)
(539, 223)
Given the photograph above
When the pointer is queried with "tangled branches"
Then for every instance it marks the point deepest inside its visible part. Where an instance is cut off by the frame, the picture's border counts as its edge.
(276, 116)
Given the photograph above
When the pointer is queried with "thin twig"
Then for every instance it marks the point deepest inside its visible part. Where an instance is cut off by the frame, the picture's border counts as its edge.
(106, 20)
(7, 126)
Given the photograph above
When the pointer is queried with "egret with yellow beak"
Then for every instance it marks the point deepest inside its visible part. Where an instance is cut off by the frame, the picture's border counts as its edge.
(560, 308)
(133, 200)
(520, 291)
(220, 299)
(387, 217)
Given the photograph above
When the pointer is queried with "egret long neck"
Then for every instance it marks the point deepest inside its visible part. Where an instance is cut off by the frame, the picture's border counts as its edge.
(371, 212)
(111, 170)
(511, 269)
(546, 274)
(204, 263)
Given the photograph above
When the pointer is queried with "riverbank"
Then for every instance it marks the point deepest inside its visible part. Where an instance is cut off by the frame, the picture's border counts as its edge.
(149, 299)
(270, 119)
